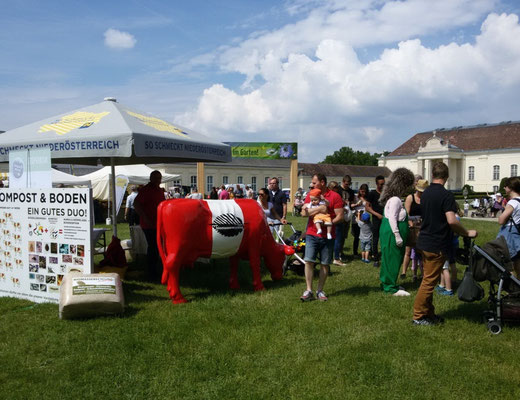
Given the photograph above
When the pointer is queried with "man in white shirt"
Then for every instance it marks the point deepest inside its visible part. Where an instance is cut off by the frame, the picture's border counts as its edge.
(130, 215)
(195, 194)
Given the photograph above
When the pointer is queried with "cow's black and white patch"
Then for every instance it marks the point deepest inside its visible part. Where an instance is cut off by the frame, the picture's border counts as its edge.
(228, 225)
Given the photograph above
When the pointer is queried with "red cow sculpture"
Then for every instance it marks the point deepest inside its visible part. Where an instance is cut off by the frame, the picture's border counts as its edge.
(188, 229)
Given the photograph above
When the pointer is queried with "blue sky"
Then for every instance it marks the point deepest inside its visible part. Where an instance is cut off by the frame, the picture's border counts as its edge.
(361, 73)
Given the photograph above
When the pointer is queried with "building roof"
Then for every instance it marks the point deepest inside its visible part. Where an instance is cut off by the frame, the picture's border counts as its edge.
(505, 135)
(328, 170)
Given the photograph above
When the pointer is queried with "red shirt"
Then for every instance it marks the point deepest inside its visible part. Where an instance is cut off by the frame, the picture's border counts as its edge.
(335, 201)
(149, 198)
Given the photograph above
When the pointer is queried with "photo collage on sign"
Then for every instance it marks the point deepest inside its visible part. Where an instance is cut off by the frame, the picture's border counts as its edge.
(50, 261)
(11, 261)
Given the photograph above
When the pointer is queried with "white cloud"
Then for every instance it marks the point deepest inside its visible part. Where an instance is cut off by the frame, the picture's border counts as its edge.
(119, 40)
(372, 133)
(359, 23)
(408, 85)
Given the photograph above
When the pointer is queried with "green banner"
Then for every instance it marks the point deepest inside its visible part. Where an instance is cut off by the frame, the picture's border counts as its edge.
(273, 151)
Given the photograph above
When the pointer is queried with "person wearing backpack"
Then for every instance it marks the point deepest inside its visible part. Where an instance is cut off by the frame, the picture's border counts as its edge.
(510, 221)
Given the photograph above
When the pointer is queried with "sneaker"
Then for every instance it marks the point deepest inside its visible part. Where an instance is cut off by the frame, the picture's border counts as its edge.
(403, 276)
(401, 293)
(423, 321)
(435, 320)
(329, 236)
(320, 294)
(338, 262)
(376, 264)
(440, 289)
(446, 292)
(307, 296)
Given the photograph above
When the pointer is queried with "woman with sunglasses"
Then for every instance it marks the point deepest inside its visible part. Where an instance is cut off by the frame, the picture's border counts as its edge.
(267, 206)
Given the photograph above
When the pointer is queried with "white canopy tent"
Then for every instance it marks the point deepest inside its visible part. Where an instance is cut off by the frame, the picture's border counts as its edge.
(138, 174)
(62, 178)
(58, 178)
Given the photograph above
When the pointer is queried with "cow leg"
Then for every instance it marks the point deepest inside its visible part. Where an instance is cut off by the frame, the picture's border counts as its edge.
(172, 281)
(274, 260)
(233, 276)
(274, 257)
(254, 263)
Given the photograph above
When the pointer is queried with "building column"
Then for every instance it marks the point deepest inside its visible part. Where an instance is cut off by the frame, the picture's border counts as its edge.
(449, 182)
(428, 170)
(201, 184)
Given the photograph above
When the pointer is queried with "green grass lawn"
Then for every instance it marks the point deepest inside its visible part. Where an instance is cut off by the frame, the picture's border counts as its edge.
(246, 345)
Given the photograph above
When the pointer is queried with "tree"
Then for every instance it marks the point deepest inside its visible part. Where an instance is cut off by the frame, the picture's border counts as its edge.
(347, 156)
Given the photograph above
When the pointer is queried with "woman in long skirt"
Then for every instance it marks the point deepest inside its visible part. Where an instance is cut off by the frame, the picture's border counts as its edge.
(394, 229)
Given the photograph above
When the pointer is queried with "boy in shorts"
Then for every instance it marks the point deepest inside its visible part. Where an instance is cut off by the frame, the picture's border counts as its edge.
(365, 235)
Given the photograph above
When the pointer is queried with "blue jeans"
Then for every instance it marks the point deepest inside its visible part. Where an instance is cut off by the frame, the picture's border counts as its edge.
(315, 246)
(340, 240)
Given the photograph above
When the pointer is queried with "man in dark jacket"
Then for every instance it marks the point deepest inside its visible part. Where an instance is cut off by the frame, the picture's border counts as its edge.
(278, 198)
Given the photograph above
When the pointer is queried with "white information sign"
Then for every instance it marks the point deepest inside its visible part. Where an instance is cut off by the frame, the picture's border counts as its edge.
(121, 184)
(44, 234)
(19, 169)
(40, 172)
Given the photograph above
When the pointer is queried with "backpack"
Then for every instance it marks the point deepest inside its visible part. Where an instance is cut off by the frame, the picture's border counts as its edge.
(469, 289)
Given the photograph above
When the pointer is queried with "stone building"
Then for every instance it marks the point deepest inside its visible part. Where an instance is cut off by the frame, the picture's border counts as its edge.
(479, 156)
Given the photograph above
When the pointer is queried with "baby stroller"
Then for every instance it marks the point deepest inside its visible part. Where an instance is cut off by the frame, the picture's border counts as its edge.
(483, 210)
(294, 250)
(491, 262)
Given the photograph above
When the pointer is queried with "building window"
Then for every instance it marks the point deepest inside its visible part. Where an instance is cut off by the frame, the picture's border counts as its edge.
(356, 186)
(514, 170)
(266, 182)
(177, 182)
(471, 173)
(209, 183)
(280, 183)
(495, 188)
(240, 179)
(253, 183)
(496, 172)
(225, 180)
(193, 181)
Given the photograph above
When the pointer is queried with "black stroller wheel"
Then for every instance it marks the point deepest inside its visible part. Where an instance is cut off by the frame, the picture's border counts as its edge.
(494, 327)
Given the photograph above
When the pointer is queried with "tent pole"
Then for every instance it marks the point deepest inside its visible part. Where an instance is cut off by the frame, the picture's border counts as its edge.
(113, 187)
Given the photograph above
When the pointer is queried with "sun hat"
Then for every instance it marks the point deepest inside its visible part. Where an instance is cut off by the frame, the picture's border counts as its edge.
(315, 192)
(421, 185)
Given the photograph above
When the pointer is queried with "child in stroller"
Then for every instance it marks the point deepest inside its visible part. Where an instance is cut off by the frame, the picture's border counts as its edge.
(298, 204)
(483, 210)
(294, 250)
(492, 262)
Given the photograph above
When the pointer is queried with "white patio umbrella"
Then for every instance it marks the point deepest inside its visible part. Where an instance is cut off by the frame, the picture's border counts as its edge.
(113, 134)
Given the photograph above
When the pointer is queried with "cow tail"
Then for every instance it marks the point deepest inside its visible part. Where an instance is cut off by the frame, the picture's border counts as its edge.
(160, 234)
(167, 260)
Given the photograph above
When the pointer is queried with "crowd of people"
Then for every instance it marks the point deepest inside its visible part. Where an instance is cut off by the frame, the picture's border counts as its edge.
(423, 230)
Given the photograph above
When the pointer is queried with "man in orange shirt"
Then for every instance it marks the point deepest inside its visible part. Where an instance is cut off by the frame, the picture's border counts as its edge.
(145, 204)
